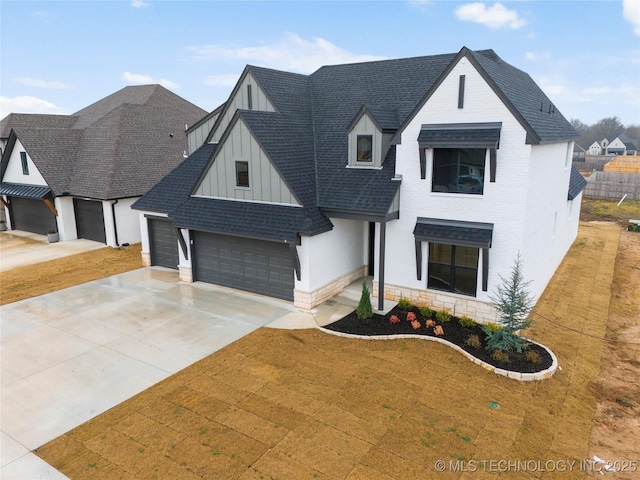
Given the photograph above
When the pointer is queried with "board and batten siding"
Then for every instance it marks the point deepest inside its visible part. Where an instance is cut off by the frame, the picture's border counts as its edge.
(240, 101)
(198, 136)
(265, 183)
(365, 126)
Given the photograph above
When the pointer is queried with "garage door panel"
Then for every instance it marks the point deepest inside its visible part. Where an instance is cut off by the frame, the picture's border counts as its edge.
(246, 264)
(90, 220)
(164, 243)
(32, 215)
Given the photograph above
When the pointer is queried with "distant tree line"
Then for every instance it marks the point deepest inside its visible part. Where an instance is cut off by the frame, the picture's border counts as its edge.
(609, 128)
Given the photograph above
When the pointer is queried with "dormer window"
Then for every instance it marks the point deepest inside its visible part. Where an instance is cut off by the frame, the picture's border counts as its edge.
(365, 148)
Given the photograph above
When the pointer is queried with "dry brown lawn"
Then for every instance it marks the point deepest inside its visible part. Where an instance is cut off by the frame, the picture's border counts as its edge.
(302, 404)
(45, 277)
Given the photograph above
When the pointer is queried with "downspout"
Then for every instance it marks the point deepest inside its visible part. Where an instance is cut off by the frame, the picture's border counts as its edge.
(115, 225)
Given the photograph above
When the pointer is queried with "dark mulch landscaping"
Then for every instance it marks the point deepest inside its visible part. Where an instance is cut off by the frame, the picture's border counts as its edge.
(453, 332)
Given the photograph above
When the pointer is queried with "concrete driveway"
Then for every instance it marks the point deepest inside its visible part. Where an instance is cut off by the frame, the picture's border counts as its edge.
(25, 248)
(70, 355)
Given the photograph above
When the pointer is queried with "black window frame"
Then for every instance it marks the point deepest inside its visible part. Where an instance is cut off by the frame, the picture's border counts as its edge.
(242, 177)
(463, 182)
(454, 269)
(25, 163)
(358, 150)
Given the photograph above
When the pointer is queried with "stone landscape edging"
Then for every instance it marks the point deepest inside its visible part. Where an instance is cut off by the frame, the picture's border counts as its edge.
(522, 377)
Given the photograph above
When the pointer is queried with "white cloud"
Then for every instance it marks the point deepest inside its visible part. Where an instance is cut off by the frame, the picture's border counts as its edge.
(631, 12)
(535, 56)
(221, 80)
(140, 4)
(292, 53)
(420, 4)
(139, 79)
(494, 17)
(34, 82)
(26, 104)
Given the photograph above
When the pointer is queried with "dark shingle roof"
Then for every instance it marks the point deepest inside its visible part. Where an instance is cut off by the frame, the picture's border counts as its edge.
(306, 140)
(528, 99)
(577, 183)
(117, 147)
(174, 189)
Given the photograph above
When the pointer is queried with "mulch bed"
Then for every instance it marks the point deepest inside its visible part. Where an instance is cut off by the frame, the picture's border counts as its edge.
(453, 332)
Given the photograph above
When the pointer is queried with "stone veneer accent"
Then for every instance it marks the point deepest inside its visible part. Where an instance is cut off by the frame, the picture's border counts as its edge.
(521, 377)
(146, 259)
(458, 305)
(185, 274)
(308, 300)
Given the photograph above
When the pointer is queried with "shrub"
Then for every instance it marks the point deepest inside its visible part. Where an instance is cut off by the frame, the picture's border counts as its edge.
(513, 302)
(416, 324)
(443, 316)
(438, 330)
(426, 311)
(491, 327)
(467, 322)
(404, 304)
(473, 341)
(364, 309)
(430, 323)
(500, 356)
(411, 317)
(532, 356)
(394, 319)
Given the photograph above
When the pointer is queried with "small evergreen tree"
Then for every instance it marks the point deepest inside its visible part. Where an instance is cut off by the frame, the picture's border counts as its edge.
(364, 309)
(513, 302)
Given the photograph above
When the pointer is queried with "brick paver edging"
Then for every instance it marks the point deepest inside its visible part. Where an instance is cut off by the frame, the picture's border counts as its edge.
(522, 377)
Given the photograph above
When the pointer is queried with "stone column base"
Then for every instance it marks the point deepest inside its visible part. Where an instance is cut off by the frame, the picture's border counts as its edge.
(186, 274)
(146, 259)
(308, 300)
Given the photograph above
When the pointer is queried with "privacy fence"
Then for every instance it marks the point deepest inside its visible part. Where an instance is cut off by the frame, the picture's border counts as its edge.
(613, 185)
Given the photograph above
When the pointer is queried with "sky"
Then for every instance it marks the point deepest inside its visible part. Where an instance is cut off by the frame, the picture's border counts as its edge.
(61, 56)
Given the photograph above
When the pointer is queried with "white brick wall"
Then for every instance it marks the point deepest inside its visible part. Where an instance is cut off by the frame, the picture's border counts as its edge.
(330, 255)
(514, 203)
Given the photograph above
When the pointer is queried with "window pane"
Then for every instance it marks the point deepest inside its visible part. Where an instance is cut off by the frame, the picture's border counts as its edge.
(440, 253)
(458, 170)
(466, 280)
(242, 174)
(467, 257)
(365, 148)
(439, 276)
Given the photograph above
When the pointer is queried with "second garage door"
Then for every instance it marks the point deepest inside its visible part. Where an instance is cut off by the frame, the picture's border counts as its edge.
(164, 244)
(90, 220)
(255, 266)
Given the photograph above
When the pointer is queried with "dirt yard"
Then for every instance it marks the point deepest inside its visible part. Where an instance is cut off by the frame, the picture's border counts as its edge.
(33, 280)
(616, 426)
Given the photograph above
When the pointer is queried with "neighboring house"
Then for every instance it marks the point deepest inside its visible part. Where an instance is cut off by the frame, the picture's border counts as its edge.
(595, 148)
(431, 174)
(578, 151)
(622, 145)
(79, 174)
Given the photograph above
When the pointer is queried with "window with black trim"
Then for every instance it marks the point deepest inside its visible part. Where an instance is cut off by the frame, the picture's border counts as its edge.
(458, 170)
(25, 163)
(453, 268)
(242, 174)
(364, 148)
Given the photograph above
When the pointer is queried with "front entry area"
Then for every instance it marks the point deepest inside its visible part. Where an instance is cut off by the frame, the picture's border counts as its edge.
(256, 266)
